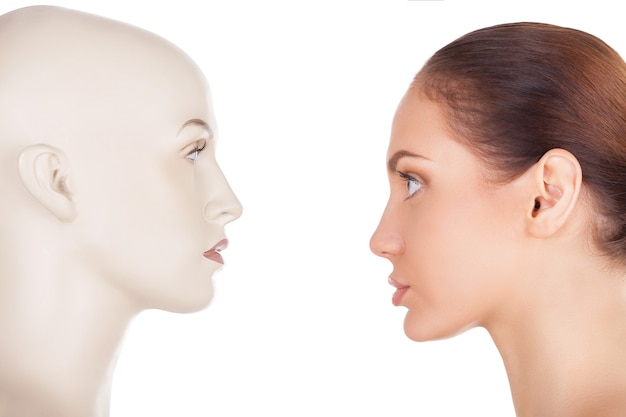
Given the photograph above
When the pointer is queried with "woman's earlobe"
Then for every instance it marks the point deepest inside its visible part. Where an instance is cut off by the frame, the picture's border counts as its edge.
(44, 171)
(558, 181)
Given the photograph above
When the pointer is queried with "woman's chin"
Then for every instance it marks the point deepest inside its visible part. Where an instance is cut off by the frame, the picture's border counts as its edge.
(421, 329)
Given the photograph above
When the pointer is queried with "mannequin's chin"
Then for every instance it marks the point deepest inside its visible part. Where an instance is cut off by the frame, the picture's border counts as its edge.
(191, 304)
(187, 297)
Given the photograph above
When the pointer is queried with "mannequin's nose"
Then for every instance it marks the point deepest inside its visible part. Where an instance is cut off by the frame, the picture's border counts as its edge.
(221, 205)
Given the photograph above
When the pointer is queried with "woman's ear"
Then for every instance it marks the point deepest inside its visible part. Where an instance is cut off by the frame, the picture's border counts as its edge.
(44, 171)
(557, 180)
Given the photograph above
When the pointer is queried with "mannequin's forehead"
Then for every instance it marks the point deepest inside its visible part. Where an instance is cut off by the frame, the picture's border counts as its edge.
(51, 40)
(65, 69)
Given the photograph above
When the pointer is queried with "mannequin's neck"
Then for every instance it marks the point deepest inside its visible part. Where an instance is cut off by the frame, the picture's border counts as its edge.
(38, 395)
(60, 339)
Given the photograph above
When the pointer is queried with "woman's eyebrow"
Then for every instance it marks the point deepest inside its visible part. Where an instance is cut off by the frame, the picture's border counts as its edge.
(393, 161)
(197, 122)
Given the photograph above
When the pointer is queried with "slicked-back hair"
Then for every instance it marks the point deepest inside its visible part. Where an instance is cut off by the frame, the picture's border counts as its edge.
(512, 92)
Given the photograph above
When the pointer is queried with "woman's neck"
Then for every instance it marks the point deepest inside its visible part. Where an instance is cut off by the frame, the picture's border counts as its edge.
(564, 348)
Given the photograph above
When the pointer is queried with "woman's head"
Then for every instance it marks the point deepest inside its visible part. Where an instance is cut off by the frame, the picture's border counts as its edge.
(506, 146)
(512, 92)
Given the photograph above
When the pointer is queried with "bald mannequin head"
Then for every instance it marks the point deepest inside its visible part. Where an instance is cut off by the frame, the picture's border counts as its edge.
(113, 201)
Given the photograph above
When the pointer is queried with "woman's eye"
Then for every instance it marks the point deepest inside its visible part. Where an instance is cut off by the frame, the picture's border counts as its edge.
(413, 185)
(193, 155)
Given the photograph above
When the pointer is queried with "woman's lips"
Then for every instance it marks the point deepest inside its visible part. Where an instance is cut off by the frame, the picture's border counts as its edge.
(401, 289)
(214, 253)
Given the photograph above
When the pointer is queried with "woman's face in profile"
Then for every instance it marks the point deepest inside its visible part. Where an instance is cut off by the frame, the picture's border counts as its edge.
(445, 229)
(155, 220)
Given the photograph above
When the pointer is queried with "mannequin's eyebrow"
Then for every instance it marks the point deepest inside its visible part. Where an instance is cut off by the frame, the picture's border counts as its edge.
(393, 161)
(200, 123)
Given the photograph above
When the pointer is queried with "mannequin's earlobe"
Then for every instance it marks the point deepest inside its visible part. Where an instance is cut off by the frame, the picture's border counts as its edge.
(557, 179)
(45, 173)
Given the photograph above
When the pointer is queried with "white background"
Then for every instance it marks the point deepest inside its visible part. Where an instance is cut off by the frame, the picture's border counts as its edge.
(302, 322)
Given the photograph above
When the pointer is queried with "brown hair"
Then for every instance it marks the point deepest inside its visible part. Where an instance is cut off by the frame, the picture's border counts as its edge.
(514, 91)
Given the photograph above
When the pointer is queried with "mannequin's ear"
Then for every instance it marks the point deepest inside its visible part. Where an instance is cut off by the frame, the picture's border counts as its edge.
(45, 173)
(557, 181)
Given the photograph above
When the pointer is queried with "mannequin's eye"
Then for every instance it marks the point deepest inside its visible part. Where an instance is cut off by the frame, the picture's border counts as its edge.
(193, 155)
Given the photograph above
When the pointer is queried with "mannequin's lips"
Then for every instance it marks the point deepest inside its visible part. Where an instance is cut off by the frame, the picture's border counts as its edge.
(214, 253)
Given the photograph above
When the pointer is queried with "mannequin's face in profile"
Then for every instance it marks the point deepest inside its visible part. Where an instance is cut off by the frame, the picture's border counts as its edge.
(155, 200)
(125, 119)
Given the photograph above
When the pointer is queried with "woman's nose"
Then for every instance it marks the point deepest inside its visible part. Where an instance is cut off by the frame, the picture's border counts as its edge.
(386, 242)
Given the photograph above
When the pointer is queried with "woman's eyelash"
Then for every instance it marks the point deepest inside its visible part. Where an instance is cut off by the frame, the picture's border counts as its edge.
(413, 185)
(193, 155)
